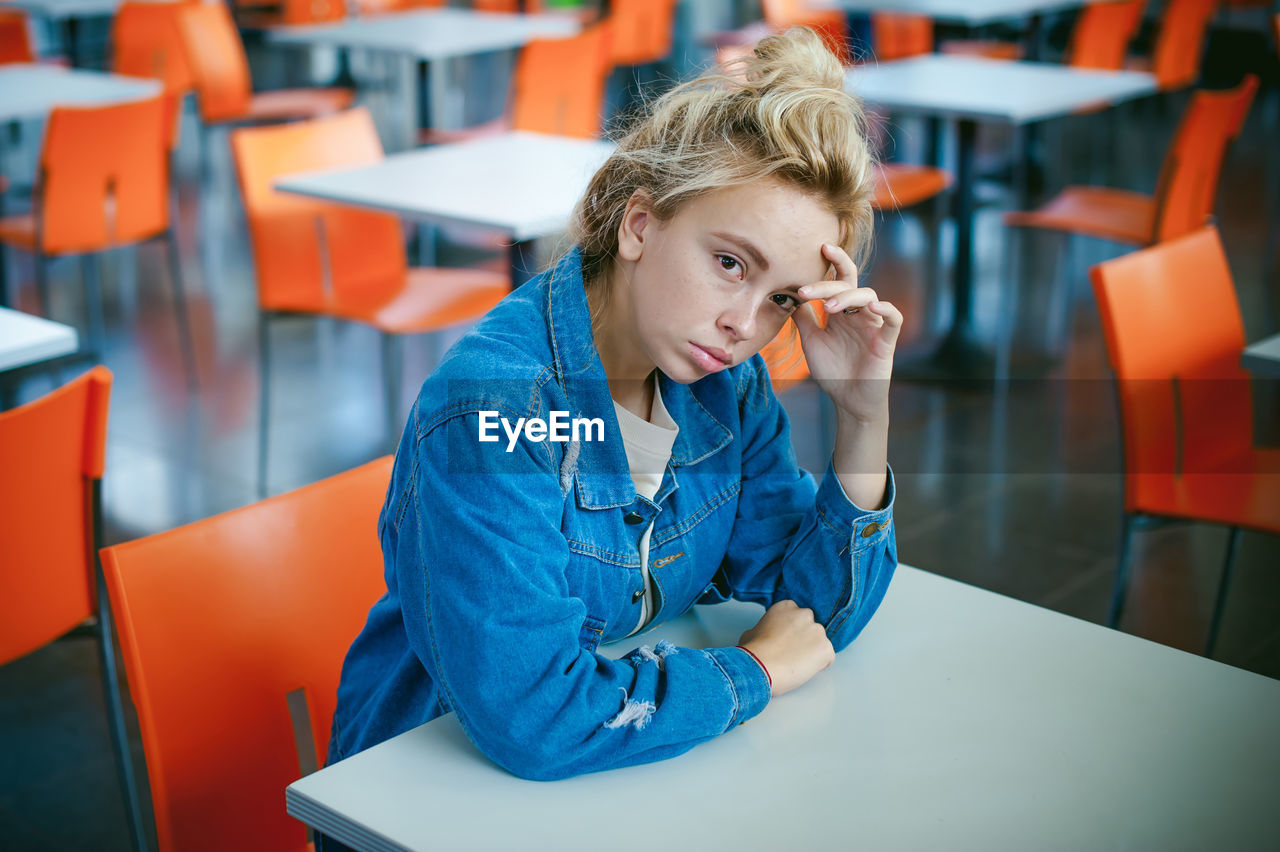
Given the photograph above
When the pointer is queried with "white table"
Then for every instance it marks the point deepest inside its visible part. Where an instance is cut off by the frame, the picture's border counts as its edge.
(430, 36)
(27, 339)
(960, 719)
(524, 184)
(973, 13)
(971, 90)
(30, 91)
(1263, 357)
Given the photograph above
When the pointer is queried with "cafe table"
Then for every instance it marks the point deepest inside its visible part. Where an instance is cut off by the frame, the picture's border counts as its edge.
(431, 37)
(960, 719)
(522, 184)
(971, 90)
(29, 341)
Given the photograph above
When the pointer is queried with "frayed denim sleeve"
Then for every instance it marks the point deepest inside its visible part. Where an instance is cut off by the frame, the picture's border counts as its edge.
(793, 539)
(481, 569)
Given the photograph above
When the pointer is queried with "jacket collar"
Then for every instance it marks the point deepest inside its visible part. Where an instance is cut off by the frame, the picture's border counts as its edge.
(602, 475)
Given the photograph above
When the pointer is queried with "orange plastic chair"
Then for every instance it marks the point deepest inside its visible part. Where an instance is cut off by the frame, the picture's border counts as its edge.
(52, 452)
(1185, 402)
(320, 259)
(221, 74)
(1179, 47)
(1102, 34)
(231, 627)
(104, 183)
(830, 24)
(15, 40)
(898, 36)
(641, 30)
(1186, 189)
(146, 42)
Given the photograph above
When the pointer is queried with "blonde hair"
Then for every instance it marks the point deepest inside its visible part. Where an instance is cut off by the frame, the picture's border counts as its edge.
(781, 112)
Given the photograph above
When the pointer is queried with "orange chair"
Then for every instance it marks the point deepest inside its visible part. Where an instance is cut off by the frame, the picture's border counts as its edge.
(1185, 191)
(104, 183)
(828, 23)
(898, 36)
(15, 40)
(52, 452)
(640, 30)
(232, 626)
(1102, 34)
(1185, 402)
(221, 74)
(318, 259)
(1179, 47)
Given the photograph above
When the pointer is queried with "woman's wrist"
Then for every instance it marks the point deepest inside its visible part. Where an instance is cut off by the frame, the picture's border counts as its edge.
(760, 663)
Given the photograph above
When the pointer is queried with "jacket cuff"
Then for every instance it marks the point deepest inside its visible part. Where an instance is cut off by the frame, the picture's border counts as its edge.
(840, 512)
(747, 681)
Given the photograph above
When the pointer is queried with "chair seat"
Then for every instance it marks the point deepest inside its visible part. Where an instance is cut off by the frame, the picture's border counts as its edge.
(284, 104)
(1110, 214)
(900, 185)
(432, 298)
(983, 49)
(19, 230)
(1245, 494)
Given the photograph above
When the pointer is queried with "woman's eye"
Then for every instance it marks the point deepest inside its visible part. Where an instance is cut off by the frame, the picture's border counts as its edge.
(728, 263)
(785, 301)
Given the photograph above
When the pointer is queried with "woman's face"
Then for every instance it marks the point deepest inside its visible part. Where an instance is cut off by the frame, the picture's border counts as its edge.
(710, 287)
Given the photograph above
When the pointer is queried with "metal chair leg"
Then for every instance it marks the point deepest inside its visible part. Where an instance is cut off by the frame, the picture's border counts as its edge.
(111, 690)
(180, 309)
(1218, 605)
(1121, 583)
(264, 377)
(93, 303)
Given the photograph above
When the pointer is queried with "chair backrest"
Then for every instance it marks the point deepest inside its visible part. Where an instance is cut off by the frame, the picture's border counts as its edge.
(559, 84)
(1188, 185)
(15, 40)
(785, 358)
(1174, 336)
(104, 175)
(295, 12)
(219, 66)
(146, 41)
(1180, 45)
(51, 451)
(830, 24)
(509, 6)
(896, 36)
(641, 30)
(219, 621)
(1102, 34)
(310, 255)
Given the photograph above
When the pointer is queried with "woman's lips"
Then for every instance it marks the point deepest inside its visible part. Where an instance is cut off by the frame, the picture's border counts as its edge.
(710, 359)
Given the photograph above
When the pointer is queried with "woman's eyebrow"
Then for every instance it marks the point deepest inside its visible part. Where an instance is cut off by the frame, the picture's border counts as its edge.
(747, 248)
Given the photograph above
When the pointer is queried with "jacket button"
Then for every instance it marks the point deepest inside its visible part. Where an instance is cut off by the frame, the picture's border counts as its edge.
(870, 529)
(637, 595)
(633, 517)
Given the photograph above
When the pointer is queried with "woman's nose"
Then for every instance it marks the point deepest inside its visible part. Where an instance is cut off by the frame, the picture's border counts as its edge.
(740, 320)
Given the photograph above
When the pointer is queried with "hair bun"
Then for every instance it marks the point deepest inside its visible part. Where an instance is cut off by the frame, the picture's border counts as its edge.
(795, 59)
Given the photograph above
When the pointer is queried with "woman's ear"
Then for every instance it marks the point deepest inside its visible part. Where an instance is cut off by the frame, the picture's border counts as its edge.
(637, 223)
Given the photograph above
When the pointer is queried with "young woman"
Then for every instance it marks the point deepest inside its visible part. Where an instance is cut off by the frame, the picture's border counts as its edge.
(604, 449)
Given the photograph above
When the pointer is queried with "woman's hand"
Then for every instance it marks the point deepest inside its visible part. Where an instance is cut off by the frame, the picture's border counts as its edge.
(790, 644)
(852, 358)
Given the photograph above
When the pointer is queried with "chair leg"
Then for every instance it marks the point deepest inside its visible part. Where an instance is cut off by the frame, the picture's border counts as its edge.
(1232, 543)
(111, 691)
(1121, 583)
(392, 356)
(93, 303)
(180, 309)
(264, 377)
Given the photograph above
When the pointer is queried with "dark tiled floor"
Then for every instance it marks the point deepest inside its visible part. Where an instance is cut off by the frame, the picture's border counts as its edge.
(1017, 492)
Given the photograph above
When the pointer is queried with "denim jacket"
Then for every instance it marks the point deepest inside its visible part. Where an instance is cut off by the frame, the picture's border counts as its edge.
(508, 562)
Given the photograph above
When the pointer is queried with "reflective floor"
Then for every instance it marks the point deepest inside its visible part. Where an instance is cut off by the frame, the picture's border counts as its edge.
(1016, 490)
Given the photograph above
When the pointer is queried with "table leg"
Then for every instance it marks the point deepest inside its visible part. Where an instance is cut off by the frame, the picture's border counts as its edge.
(71, 33)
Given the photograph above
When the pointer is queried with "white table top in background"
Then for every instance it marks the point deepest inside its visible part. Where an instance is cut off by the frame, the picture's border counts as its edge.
(432, 34)
(1263, 357)
(960, 719)
(31, 90)
(26, 339)
(966, 87)
(59, 9)
(523, 183)
(971, 12)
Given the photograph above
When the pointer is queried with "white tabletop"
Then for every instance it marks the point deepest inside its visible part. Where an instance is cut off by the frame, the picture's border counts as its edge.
(432, 34)
(960, 719)
(984, 90)
(30, 91)
(59, 9)
(523, 183)
(970, 12)
(25, 339)
(1263, 357)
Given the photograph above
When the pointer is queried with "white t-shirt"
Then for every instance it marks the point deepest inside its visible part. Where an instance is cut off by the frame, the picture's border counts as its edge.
(648, 446)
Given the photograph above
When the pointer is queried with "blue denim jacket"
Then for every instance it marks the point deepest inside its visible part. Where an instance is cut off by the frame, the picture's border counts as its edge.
(506, 569)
